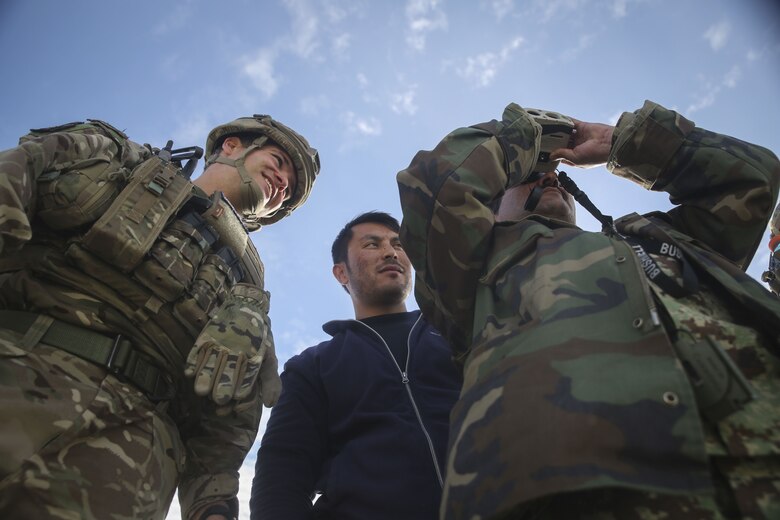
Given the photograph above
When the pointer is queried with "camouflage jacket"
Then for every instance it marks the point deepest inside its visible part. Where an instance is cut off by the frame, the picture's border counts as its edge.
(52, 187)
(566, 364)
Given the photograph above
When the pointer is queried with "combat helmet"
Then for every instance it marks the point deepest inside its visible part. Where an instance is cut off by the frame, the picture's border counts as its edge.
(305, 159)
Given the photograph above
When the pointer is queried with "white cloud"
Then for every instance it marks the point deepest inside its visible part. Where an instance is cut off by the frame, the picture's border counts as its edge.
(180, 16)
(313, 105)
(260, 70)
(753, 55)
(584, 41)
(370, 126)
(340, 44)
(403, 102)
(711, 90)
(259, 66)
(732, 77)
(304, 27)
(704, 101)
(546, 10)
(423, 17)
(619, 8)
(717, 35)
(501, 8)
(293, 340)
(192, 130)
(368, 96)
(338, 10)
(334, 13)
(481, 69)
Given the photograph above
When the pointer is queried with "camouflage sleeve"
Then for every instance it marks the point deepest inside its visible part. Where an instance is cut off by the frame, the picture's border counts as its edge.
(724, 189)
(215, 449)
(446, 196)
(21, 167)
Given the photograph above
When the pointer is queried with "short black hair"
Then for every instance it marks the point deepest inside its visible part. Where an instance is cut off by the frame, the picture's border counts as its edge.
(339, 249)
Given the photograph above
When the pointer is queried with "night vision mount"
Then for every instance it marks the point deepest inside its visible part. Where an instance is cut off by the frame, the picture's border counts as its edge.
(557, 130)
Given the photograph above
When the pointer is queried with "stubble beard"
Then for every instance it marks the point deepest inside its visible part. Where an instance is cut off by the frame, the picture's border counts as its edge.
(387, 295)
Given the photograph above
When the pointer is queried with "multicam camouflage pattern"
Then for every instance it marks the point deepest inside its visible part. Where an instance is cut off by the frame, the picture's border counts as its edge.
(73, 166)
(162, 304)
(571, 381)
(234, 345)
(98, 447)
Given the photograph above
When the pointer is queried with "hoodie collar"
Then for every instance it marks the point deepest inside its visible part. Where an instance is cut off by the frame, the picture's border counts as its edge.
(334, 327)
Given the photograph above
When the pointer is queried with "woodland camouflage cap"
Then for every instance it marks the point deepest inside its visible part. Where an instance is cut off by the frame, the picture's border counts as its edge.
(305, 158)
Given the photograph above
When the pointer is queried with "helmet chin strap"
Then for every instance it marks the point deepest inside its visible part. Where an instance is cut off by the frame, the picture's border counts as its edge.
(252, 197)
(536, 193)
(533, 198)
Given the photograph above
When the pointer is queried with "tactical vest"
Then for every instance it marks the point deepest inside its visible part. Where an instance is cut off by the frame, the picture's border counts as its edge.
(144, 240)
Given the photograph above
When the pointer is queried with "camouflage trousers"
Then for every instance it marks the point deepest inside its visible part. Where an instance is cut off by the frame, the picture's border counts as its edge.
(76, 443)
(745, 489)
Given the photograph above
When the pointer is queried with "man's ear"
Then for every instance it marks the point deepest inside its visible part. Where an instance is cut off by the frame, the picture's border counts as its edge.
(340, 273)
(230, 144)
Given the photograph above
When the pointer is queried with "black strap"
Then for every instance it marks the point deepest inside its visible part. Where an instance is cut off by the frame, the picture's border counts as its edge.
(115, 354)
(645, 247)
(607, 223)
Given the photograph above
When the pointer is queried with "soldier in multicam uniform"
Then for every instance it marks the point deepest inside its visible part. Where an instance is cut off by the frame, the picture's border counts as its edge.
(135, 345)
(628, 374)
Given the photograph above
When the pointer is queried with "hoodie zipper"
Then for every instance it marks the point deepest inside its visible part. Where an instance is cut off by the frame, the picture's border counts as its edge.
(406, 382)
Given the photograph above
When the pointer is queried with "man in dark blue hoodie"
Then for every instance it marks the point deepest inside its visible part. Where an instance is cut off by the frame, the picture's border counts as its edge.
(362, 418)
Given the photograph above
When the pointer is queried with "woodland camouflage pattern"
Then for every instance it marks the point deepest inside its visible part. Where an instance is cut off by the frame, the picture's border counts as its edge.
(53, 187)
(571, 383)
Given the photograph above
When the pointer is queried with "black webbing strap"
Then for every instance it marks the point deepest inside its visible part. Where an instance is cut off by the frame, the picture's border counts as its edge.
(115, 354)
(607, 223)
(645, 247)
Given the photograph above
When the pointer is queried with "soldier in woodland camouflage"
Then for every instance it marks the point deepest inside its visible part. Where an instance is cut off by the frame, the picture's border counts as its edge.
(625, 374)
(772, 275)
(135, 345)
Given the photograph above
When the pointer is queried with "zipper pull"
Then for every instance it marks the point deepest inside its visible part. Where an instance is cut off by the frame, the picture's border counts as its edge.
(404, 378)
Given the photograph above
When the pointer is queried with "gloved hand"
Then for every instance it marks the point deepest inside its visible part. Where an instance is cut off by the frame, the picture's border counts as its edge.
(234, 348)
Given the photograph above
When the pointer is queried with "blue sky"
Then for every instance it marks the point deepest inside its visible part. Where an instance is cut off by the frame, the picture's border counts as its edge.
(371, 82)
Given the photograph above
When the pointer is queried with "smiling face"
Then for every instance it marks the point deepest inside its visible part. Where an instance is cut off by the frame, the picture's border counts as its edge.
(377, 272)
(555, 202)
(269, 167)
(273, 171)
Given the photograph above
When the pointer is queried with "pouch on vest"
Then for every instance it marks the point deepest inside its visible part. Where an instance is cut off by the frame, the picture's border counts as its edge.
(79, 195)
(82, 189)
(216, 274)
(127, 230)
(225, 220)
(170, 266)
